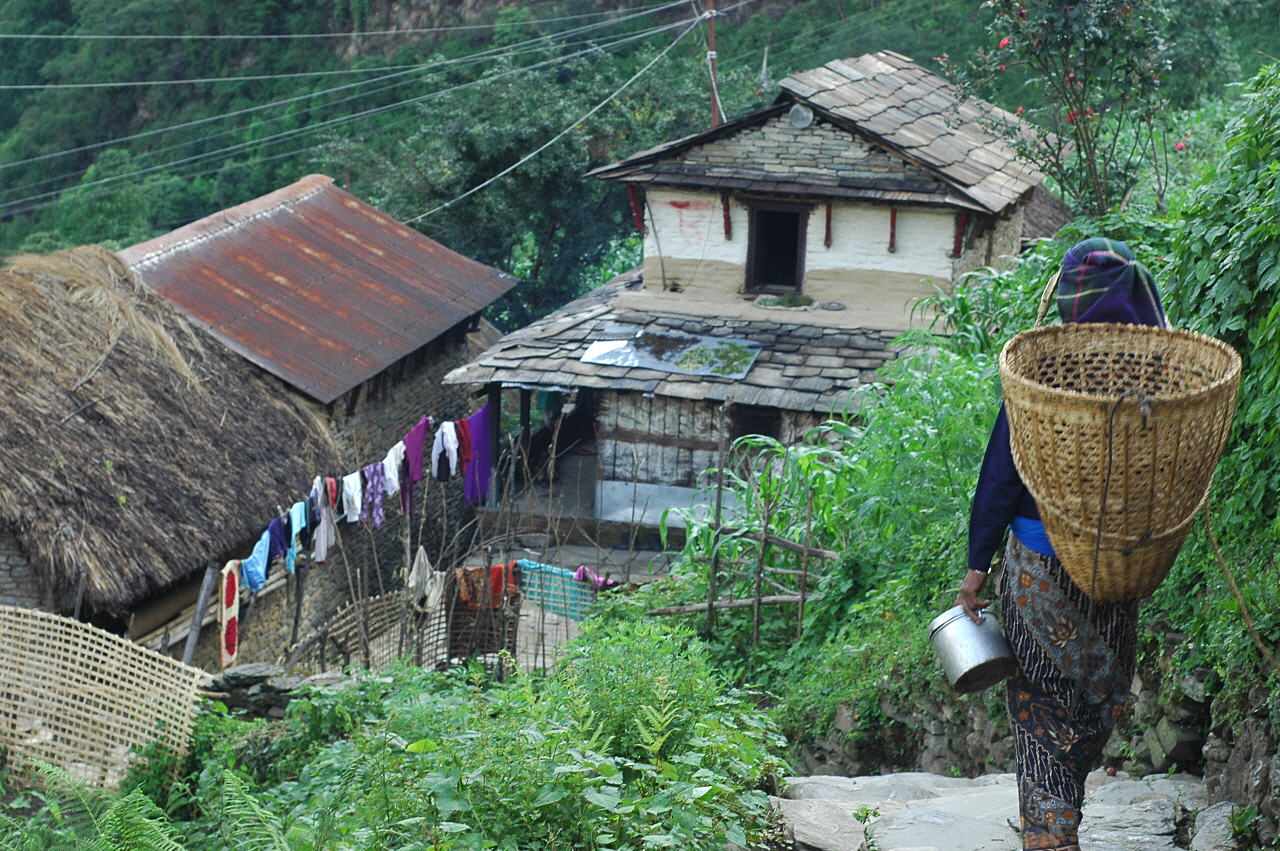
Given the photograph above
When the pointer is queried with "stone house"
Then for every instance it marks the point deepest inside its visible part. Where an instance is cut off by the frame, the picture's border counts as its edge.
(783, 253)
(339, 322)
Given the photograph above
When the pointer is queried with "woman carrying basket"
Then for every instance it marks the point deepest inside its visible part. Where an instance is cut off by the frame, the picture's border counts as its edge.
(1075, 658)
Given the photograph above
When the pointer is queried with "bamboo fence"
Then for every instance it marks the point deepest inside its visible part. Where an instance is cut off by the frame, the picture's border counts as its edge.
(85, 700)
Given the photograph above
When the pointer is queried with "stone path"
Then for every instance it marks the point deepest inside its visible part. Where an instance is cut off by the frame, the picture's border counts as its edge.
(914, 811)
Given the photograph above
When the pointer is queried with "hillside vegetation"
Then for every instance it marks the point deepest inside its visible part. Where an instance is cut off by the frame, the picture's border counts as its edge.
(652, 734)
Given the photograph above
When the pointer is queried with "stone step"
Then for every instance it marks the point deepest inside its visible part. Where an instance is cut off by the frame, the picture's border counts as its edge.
(916, 811)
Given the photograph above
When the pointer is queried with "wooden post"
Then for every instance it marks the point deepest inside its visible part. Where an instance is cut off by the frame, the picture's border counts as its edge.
(495, 441)
(711, 56)
(193, 634)
(525, 403)
(804, 567)
(301, 586)
(715, 534)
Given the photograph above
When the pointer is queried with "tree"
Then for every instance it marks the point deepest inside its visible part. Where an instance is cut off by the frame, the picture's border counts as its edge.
(1095, 68)
(1226, 278)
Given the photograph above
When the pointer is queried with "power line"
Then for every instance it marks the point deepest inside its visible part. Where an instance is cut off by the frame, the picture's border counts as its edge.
(30, 200)
(298, 36)
(199, 80)
(509, 51)
(563, 132)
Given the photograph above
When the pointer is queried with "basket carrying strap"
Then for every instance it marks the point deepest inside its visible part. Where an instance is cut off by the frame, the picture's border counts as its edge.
(1047, 298)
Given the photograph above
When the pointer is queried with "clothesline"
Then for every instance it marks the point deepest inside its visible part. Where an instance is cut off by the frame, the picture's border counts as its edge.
(358, 496)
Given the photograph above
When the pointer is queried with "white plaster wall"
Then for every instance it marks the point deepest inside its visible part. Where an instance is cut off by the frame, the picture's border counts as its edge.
(685, 241)
(860, 240)
(690, 226)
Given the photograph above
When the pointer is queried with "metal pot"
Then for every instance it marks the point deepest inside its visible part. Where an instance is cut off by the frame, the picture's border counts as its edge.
(975, 656)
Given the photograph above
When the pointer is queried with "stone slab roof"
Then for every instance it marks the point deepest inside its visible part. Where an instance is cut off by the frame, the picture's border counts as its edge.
(800, 367)
(944, 148)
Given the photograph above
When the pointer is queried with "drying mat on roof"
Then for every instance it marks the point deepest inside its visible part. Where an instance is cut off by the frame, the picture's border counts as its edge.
(1116, 431)
(85, 700)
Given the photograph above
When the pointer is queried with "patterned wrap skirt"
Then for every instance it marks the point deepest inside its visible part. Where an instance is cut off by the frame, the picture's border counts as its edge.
(1075, 670)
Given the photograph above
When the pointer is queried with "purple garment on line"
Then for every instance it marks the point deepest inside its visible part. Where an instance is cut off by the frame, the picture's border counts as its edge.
(374, 485)
(475, 485)
(415, 443)
(279, 538)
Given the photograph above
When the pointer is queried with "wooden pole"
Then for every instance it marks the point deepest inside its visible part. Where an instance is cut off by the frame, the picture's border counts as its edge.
(495, 441)
(715, 533)
(301, 586)
(193, 634)
(711, 57)
(691, 608)
(523, 460)
(804, 567)
(755, 623)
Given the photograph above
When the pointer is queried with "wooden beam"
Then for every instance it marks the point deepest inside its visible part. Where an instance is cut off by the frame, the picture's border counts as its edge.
(630, 435)
(693, 608)
(774, 540)
(206, 589)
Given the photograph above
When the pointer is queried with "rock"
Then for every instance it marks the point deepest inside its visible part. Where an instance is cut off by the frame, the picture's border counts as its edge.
(844, 718)
(1213, 829)
(822, 825)
(1142, 824)
(284, 683)
(1180, 744)
(328, 678)
(243, 676)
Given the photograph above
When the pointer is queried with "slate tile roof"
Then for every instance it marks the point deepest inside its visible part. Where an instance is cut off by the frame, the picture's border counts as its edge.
(801, 367)
(885, 99)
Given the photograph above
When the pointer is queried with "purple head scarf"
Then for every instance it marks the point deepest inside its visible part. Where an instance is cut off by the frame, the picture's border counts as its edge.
(1102, 282)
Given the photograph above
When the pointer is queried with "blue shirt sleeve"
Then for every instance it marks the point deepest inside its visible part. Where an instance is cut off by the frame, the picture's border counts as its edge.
(999, 497)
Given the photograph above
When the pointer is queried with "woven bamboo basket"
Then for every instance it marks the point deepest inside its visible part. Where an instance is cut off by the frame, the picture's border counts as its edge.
(1116, 431)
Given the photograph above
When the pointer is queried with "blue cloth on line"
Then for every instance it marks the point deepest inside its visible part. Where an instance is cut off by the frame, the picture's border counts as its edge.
(253, 570)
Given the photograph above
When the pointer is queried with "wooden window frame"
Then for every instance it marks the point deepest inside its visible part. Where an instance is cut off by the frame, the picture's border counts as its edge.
(754, 208)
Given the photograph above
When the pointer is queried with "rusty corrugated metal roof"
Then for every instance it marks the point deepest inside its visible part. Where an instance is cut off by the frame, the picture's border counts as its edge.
(314, 285)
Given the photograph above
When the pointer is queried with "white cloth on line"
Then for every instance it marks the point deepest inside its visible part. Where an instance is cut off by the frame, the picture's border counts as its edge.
(352, 497)
(391, 469)
(446, 443)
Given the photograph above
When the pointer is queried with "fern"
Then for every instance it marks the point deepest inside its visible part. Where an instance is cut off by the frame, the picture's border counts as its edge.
(88, 819)
(243, 822)
(135, 823)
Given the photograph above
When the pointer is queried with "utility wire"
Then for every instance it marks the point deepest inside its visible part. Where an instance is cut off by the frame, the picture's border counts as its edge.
(563, 132)
(475, 57)
(30, 200)
(297, 36)
(185, 143)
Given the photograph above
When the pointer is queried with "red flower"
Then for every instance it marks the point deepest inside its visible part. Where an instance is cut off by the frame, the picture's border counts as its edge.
(1001, 67)
(1019, 112)
(1180, 146)
(1004, 42)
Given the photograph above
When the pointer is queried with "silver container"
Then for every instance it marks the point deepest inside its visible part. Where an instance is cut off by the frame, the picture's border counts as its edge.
(975, 656)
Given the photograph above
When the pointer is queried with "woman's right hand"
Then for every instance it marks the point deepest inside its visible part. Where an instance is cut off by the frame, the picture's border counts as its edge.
(969, 596)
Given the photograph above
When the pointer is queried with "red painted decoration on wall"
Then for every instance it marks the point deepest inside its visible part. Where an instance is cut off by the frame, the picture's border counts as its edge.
(728, 224)
(959, 243)
(637, 207)
(826, 239)
(893, 229)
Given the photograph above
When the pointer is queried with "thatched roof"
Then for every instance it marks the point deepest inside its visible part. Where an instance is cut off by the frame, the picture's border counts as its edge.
(134, 449)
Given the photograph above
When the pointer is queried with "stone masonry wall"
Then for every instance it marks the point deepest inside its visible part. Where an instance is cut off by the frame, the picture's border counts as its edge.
(820, 149)
(18, 585)
(385, 410)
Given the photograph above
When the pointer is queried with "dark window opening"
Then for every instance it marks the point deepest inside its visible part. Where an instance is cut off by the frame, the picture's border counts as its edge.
(755, 419)
(775, 248)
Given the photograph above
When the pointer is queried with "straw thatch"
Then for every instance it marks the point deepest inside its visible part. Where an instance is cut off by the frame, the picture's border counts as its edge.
(134, 450)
